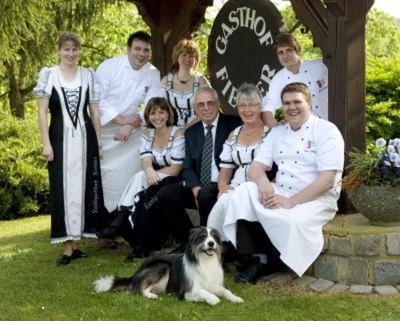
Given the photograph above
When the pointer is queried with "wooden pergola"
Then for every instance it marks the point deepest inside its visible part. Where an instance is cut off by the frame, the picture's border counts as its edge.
(337, 26)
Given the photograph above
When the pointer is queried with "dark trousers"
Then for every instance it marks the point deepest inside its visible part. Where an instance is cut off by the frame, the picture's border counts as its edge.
(175, 198)
(252, 239)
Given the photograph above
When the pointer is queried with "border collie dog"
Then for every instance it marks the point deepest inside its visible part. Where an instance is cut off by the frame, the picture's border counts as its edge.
(195, 275)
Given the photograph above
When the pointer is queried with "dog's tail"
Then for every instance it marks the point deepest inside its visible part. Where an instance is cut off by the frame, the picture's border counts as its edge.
(110, 283)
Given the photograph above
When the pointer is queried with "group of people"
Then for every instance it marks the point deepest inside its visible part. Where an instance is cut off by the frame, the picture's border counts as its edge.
(267, 187)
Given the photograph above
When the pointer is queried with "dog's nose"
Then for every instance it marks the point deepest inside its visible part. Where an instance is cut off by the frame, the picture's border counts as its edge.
(210, 243)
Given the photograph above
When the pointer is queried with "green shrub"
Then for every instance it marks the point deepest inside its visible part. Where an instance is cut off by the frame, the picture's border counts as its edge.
(23, 173)
(382, 100)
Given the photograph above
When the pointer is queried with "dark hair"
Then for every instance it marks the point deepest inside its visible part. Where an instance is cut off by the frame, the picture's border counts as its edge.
(138, 35)
(287, 40)
(297, 87)
(161, 103)
(69, 36)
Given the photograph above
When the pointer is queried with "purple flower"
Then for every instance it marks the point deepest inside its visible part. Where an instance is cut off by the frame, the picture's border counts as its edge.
(380, 142)
(393, 157)
(385, 170)
(397, 163)
(391, 149)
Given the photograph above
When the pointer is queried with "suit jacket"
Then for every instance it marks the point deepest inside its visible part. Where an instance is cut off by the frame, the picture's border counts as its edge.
(194, 141)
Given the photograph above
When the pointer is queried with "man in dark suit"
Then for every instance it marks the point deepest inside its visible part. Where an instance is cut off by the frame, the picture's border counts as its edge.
(199, 188)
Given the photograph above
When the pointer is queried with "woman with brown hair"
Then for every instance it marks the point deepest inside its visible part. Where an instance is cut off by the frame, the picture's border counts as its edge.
(162, 151)
(182, 82)
(72, 146)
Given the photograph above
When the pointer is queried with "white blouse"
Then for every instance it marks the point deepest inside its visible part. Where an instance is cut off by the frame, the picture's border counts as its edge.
(172, 153)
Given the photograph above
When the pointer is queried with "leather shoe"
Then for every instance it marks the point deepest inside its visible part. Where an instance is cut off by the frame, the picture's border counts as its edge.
(77, 254)
(134, 255)
(251, 273)
(64, 260)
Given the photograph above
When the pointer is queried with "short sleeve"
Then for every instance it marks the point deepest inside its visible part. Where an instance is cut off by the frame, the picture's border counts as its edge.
(330, 151)
(94, 87)
(265, 152)
(178, 150)
(272, 100)
(44, 84)
(226, 155)
(145, 146)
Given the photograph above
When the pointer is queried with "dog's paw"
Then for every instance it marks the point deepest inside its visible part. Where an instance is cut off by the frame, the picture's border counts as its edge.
(213, 300)
(236, 299)
(151, 296)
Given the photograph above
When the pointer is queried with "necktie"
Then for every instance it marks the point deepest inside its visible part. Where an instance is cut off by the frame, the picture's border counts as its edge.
(205, 172)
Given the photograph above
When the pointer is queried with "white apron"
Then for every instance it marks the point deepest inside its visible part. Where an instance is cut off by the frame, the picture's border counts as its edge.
(120, 162)
(296, 232)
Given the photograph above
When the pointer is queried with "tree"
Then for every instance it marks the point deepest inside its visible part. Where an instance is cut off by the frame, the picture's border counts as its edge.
(29, 29)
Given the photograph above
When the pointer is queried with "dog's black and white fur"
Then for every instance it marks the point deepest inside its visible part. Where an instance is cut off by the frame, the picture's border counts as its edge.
(195, 275)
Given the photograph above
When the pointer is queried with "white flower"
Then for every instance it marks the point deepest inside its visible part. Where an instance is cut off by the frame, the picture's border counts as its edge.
(393, 157)
(397, 163)
(391, 149)
(396, 142)
(391, 142)
(380, 142)
(387, 163)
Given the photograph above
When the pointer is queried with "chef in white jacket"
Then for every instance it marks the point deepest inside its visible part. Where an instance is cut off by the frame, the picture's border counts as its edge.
(311, 72)
(126, 82)
(309, 152)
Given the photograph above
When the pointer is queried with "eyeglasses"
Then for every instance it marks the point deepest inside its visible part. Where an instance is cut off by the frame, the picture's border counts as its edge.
(244, 106)
(203, 104)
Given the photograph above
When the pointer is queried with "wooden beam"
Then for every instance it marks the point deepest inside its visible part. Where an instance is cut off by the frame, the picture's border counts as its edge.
(312, 14)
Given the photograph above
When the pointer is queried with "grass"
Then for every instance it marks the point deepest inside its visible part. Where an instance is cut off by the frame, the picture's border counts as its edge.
(32, 288)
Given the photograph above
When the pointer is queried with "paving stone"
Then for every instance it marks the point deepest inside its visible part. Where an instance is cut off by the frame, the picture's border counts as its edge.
(282, 278)
(321, 285)
(361, 289)
(269, 277)
(387, 272)
(331, 267)
(393, 243)
(339, 287)
(340, 245)
(358, 271)
(368, 245)
(385, 289)
(303, 281)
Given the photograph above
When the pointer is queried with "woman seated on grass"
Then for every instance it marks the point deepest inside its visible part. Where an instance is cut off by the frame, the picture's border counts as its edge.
(162, 150)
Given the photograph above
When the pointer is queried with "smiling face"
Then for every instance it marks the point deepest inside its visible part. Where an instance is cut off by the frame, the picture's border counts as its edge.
(296, 109)
(139, 53)
(206, 106)
(187, 60)
(249, 109)
(288, 57)
(69, 53)
(158, 117)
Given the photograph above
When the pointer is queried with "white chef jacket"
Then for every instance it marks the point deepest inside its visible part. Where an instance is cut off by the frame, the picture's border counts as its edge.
(300, 155)
(123, 88)
(314, 74)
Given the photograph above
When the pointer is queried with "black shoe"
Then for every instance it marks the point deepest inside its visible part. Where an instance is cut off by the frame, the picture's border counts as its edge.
(64, 260)
(77, 254)
(251, 273)
(134, 255)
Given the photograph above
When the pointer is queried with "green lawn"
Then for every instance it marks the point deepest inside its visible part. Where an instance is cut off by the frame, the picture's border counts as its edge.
(32, 287)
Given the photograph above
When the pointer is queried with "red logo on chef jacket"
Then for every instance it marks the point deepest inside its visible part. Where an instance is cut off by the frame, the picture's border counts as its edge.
(310, 146)
(321, 84)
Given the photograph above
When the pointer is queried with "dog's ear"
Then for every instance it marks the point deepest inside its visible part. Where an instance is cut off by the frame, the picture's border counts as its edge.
(193, 232)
